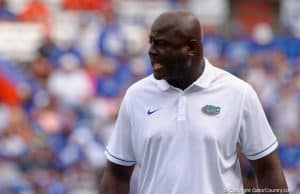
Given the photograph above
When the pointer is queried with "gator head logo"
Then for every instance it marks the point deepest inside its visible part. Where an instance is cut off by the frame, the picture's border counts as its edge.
(211, 109)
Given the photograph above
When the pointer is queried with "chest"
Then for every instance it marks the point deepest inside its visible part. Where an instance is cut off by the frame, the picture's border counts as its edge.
(195, 119)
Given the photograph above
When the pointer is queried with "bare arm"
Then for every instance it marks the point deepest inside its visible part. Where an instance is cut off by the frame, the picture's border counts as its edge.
(269, 173)
(116, 179)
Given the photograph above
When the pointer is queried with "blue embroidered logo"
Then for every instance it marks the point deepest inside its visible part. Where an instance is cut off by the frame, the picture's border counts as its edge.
(151, 112)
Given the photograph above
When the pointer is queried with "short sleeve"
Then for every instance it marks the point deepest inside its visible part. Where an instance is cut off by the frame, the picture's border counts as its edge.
(119, 149)
(256, 137)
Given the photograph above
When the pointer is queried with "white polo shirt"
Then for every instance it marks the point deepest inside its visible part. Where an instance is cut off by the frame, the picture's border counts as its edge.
(186, 141)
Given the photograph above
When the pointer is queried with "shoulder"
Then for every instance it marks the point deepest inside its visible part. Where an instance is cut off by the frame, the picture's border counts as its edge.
(142, 86)
(226, 80)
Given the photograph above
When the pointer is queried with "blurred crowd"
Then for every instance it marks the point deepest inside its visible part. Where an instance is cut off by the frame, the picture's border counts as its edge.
(57, 111)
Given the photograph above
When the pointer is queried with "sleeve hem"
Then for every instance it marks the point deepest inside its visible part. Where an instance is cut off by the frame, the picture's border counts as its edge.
(111, 157)
(263, 152)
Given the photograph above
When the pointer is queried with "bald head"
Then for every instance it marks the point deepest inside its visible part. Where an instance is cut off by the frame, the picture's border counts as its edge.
(175, 49)
(183, 23)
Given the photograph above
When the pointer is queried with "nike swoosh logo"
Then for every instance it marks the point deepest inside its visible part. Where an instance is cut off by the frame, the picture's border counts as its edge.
(151, 112)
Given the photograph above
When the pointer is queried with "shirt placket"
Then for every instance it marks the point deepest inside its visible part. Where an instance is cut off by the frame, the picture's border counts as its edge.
(182, 107)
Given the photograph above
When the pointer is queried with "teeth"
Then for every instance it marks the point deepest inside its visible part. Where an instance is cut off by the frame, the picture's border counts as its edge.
(157, 66)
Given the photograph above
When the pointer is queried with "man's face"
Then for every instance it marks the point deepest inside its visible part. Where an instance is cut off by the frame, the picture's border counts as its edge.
(168, 53)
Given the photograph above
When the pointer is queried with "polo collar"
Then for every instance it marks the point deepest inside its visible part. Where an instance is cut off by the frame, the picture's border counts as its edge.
(203, 81)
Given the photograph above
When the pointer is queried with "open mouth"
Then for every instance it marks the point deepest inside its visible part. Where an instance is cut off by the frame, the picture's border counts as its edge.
(157, 66)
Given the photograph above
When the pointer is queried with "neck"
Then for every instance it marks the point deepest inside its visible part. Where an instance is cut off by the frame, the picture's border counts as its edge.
(191, 76)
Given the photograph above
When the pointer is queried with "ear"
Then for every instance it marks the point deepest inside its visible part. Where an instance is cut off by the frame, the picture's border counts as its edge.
(192, 47)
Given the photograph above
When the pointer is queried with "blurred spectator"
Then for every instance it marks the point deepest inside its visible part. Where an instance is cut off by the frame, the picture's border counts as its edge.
(15, 136)
(238, 49)
(47, 115)
(289, 44)
(263, 37)
(88, 34)
(93, 68)
(36, 11)
(5, 13)
(19, 124)
(214, 45)
(4, 117)
(40, 70)
(115, 77)
(139, 67)
(87, 4)
(91, 148)
(49, 50)
(12, 180)
(262, 77)
(12, 145)
(107, 84)
(287, 127)
(104, 112)
(111, 38)
(69, 83)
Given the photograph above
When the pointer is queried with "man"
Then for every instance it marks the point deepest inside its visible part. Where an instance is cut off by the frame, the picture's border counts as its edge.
(183, 126)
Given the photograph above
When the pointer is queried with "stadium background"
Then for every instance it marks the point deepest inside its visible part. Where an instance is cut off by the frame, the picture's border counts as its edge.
(65, 64)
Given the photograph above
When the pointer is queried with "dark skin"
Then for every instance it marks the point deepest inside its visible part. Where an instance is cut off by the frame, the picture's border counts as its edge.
(176, 56)
(269, 172)
(176, 50)
(116, 179)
